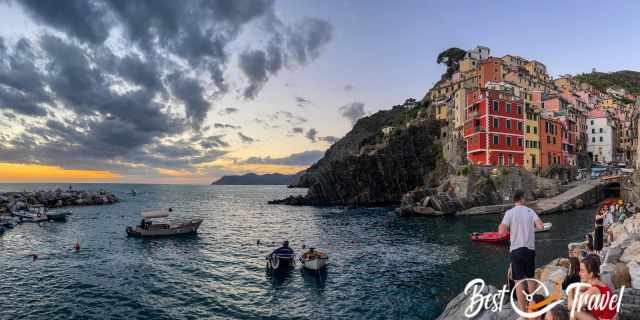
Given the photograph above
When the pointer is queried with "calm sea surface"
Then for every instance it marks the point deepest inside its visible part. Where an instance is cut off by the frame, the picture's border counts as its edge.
(381, 266)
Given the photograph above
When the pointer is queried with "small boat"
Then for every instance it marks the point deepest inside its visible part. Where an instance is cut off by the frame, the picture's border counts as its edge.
(148, 228)
(57, 216)
(314, 260)
(489, 237)
(547, 227)
(280, 262)
(33, 214)
(133, 193)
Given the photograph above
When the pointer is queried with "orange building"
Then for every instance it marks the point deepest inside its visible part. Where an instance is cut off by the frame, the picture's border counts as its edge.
(490, 70)
(550, 142)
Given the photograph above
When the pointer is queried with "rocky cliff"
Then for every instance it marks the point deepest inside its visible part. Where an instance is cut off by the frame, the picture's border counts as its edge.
(384, 156)
(257, 179)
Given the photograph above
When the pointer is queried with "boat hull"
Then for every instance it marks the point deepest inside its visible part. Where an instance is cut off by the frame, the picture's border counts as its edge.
(489, 237)
(315, 264)
(547, 227)
(174, 230)
(57, 216)
(280, 263)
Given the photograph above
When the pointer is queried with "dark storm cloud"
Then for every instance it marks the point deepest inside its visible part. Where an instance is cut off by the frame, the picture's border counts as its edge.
(304, 158)
(245, 139)
(191, 93)
(352, 111)
(85, 20)
(105, 107)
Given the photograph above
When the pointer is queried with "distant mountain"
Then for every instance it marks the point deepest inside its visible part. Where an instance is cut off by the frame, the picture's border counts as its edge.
(257, 179)
(627, 79)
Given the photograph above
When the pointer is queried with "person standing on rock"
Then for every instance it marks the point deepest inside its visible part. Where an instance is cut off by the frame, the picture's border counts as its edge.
(522, 222)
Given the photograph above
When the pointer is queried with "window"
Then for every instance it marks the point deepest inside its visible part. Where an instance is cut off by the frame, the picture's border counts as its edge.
(591, 122)
(601, 130)
(554, 140)
(510, 160)
(546, 127)
(548, 139)
(519, 109)
(519, 126)
(508, 123)
(496, 107)
(593, 130)
(528, 129)
(526, 143)
(593, 139)
(496, 123)
(508, 141)
(519, 142)
(601, 139)
(535, 130)
(496, 139)
(507, 107)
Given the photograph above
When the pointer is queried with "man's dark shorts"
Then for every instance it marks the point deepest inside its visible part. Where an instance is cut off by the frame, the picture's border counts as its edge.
(523, 263)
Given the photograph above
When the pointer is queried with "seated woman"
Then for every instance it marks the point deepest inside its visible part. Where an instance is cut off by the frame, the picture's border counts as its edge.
(574, 271)
(598, 291)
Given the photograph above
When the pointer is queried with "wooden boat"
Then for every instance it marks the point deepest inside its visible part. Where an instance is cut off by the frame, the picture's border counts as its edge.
(493, 237)
(547, 227)
(280, 262)
(148, 228)
(314, 261)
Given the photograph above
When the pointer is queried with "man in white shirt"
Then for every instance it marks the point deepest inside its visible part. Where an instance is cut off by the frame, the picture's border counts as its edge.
(522, 222)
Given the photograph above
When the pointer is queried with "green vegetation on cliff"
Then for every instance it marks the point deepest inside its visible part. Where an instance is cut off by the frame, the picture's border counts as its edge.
(629, 80)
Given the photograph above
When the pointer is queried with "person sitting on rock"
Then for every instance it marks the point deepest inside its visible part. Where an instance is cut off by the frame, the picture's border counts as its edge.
(590, 274)
(574, 271)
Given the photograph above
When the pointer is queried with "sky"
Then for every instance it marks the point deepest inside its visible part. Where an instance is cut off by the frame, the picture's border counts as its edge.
(156, 91)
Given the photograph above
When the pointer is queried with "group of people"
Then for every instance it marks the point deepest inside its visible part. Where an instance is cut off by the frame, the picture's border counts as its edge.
(521, 222)
(609, 213)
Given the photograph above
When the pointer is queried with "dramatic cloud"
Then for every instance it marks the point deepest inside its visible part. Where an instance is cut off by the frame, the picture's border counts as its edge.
(352, 111)
(302, 102)
(122, 85)
(305, 158)
(245, 139)
(312, 134)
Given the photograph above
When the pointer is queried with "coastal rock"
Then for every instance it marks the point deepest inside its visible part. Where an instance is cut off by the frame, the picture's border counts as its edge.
(455, 309)
(630, 306)
(578, 203)
(606, 274)
(621, 276)
(551, 275)
(613, 255)
(576, 248)
(634, 274)
(631, 253)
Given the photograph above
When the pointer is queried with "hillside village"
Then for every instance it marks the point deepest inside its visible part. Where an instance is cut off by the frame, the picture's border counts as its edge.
(508, 111)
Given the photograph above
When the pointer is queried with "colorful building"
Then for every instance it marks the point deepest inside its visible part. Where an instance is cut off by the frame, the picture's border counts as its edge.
(602, 140)
(550, 141)
(494, 128)
(531, 135)
(491, 69)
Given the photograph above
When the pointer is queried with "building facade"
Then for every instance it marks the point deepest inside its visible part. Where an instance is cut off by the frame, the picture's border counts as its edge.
(601, 142)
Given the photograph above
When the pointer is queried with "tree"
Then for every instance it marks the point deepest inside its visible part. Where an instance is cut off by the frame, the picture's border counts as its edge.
(451, 57)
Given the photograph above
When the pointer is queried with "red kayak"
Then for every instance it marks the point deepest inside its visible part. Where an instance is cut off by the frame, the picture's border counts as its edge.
(489, 237)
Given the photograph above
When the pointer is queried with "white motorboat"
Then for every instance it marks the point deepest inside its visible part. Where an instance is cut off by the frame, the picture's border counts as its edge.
(314, 260)
(547, 227)
(149, 228)
(33, 214)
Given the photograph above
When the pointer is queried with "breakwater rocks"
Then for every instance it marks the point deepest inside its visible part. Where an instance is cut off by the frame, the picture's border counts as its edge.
(13, 201)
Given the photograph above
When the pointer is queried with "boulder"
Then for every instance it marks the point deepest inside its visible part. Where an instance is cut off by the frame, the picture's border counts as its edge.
(613, 255)
(621, 276)
(606, 274)
(631, 253)
(455, 309)
(551, 275)
(634, 274)
(575, 248)
(578, 203)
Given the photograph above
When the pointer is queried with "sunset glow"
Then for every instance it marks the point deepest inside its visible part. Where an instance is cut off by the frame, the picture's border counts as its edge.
(11, 172)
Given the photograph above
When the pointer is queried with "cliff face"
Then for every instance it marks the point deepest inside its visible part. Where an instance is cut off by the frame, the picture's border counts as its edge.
(372, 167)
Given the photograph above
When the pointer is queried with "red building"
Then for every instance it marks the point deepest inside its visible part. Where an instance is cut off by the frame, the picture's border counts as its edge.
(490, 70)
(493, 129)
(550, 141)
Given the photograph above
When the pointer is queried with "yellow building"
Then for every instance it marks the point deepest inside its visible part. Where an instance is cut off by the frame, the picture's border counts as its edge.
(442, 109)
(531, 134)
(609, 103)
(458, 110)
